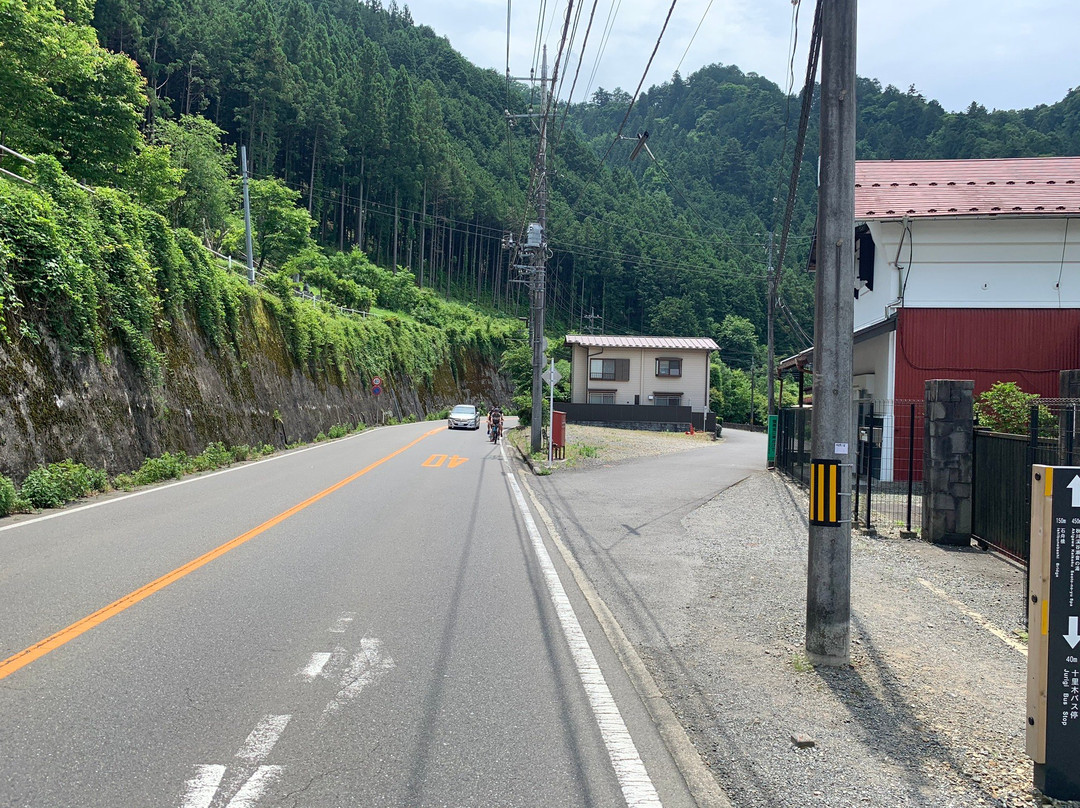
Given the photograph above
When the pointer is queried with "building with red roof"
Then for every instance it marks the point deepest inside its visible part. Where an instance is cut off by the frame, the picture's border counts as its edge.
(965, 269)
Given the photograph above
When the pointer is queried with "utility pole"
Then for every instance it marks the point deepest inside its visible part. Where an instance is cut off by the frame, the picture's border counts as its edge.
(774, 289)
(534, 255)
(538, 275)
(247, 218)
(828, 585)
(592, 317)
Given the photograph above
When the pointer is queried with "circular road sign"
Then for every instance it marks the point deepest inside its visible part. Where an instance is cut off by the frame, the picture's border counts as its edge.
(376, 390)
(376, 382)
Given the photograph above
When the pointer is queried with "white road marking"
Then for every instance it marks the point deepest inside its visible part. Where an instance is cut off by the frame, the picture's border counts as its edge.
(185, 481)
(255, 787)
(364, 668)
(978, 618)
(200, 790)
(342, 623)
(637, 788)
(262, 738)
(314, 668)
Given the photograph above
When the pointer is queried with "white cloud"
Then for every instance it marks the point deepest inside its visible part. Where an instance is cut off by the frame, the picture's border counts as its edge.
(1001, 53)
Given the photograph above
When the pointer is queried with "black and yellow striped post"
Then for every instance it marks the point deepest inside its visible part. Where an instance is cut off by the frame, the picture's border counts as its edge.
(825, 492)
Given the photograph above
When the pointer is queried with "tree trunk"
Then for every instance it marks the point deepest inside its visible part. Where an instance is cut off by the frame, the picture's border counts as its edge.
(341, 225)
(311, 182)
(393, 266)
(360, 213)
(423, 234)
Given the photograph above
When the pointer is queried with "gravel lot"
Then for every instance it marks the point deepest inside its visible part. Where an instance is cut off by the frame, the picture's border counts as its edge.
(931, 711)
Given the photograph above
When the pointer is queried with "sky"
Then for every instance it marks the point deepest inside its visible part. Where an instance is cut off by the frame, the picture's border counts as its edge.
(1004, 54)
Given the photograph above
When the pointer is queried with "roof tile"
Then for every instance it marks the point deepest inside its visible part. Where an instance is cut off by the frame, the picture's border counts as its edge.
(925, 188)
(617, 341)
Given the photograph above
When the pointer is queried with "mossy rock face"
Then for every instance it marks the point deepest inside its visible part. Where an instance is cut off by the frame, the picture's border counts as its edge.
(105, 413)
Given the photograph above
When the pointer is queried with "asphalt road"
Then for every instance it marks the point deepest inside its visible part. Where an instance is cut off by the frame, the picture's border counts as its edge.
(624, 525)
(373, 621)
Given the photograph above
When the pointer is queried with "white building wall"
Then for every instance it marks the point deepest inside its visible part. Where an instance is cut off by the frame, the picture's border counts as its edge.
(973, 262)
(693, 383)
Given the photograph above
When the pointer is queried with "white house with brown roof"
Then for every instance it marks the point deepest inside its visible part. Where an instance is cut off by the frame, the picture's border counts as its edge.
(643, 371)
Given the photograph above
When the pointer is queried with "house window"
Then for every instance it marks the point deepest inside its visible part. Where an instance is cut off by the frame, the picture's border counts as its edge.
(601, 397)
(669, 367)
(864, 260)
(667, 399)
(609, 370)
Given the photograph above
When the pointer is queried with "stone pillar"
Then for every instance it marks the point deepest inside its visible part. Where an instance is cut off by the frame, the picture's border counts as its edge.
(948, 443)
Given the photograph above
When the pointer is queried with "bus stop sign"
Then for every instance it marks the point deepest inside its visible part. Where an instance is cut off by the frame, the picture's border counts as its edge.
(1053, 631)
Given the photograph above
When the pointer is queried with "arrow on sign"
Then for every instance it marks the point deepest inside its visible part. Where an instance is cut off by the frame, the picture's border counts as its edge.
(1073, 637)
(1074, 486)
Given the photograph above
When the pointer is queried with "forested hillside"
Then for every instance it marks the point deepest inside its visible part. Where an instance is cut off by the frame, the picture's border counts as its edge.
(396, 144)
(366, 131)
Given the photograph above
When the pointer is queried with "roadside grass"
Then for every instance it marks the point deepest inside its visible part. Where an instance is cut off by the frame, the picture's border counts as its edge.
(56, 484)
(801, 663)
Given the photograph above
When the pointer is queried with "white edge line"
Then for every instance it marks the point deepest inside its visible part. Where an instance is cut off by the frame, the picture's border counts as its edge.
(201, 789)
(978, 618)
(194, 478)
(315, 666)
(637, 788)
(255, 787)
(262, 739)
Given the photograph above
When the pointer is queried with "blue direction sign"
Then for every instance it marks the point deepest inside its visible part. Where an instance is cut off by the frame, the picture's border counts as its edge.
(1061, 772)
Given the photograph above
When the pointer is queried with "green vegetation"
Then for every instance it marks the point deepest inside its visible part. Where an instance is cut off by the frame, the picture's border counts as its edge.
(57, 483)
(1007, 408)
(801, 662)
(9, 498)
(171, 466)
(383, 180)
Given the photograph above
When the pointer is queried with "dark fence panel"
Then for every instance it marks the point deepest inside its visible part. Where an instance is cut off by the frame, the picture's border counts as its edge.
(887, 473)
(1001, 484)
(793, 443)
(647, 416)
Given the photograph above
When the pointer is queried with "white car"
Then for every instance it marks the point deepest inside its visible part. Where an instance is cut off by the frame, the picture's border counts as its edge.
(463, 416)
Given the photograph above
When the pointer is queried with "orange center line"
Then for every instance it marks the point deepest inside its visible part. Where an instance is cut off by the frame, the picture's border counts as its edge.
(51, 643)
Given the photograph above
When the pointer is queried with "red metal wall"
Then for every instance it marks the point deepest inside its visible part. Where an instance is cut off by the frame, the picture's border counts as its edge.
(1026, 346)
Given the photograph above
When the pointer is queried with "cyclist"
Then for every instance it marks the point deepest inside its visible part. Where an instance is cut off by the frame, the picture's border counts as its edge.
(495, 423)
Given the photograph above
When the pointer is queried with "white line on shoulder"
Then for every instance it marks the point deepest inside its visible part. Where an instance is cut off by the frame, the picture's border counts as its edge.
(185, 481)
(637, 788)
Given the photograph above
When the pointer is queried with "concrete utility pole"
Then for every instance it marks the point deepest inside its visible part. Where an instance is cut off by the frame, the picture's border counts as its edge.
(774, 288)
(538, 275)
(828, 585)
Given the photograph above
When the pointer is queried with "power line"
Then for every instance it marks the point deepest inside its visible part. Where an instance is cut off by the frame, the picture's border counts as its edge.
(793, 41)
(692, 38)
(613, 11)
(577, 72)
(645, 73)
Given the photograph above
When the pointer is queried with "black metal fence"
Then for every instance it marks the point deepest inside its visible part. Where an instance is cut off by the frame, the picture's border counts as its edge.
(887, 475)
(1001, 473)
